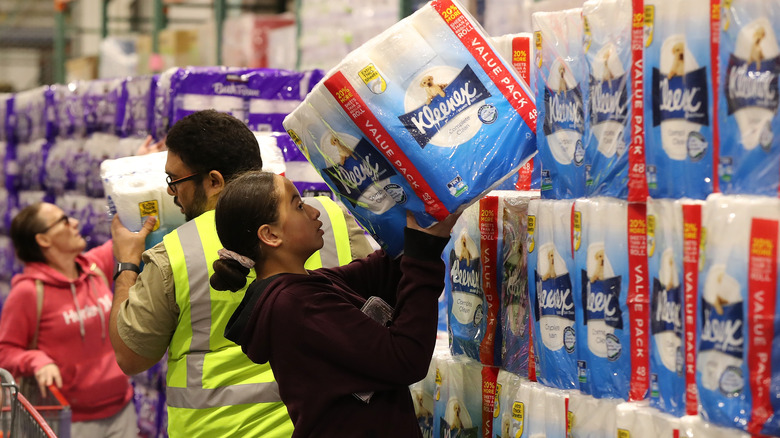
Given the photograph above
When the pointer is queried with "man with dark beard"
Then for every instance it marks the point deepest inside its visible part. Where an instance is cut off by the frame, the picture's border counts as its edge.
(212, 388)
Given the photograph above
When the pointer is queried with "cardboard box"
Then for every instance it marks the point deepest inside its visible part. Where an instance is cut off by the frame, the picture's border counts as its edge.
(84, 68)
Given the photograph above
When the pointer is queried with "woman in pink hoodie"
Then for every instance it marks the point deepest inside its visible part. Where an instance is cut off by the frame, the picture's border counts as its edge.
(73, 348)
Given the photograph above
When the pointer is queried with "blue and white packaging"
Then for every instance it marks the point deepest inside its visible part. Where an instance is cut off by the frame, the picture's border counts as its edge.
(678, 99)
(458, 383)
(603, 324)
(738, 370)
(443, 107)
(463, 284)
(371, 205)
(515, 305)
(506, 407)
(749, 160)
(665, 263)
(423, 393)
(551, 292)
(607, 47)
(561, 77)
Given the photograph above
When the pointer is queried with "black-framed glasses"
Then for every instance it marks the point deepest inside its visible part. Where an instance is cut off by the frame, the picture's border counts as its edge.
(172, 183)
(64, 219)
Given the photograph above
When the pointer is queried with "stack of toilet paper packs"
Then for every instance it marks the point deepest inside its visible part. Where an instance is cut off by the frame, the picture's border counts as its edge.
(136, 189)
(425, 117)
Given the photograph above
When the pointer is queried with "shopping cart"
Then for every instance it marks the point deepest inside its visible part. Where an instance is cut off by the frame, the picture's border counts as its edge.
(39, 417)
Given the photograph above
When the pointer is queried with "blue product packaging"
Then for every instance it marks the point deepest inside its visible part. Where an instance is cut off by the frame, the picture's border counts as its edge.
(465, 296)
(665, 264)
(607, 47)
(738, 361)
(561, 77)
(600, 246)
(451, 115)
(678, 99)
(359, 180)
(551, 295)
(749, 159)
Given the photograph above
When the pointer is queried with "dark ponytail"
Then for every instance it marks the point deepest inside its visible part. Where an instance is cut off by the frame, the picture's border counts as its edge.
(247, 202)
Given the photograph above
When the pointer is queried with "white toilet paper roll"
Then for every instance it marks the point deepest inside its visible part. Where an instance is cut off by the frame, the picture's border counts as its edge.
(401, 52)
(555, 412)
(194, 102)
(591, 417)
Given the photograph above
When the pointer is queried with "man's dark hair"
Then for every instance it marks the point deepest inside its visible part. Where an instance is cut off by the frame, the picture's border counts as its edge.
(210, 140)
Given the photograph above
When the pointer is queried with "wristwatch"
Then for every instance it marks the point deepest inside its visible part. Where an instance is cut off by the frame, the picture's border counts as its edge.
(122, 266)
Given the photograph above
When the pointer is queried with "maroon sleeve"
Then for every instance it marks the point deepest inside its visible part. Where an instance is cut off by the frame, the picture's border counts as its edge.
(355, 351)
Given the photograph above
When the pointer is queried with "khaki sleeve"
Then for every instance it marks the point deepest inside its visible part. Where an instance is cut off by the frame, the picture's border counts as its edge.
(149, 316)
(359, 244)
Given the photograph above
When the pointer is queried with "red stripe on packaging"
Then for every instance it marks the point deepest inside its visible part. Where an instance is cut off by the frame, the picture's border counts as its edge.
(715, 70)
(531, 354)
(762, 297)
(691, 244)
(357, 110)
(488, 231)
(524, 175)
(638, 301)
(489, 382)
(521, 57)
(637, 180)
(464, 29)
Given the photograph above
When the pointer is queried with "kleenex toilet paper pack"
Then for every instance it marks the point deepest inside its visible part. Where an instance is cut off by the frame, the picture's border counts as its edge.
(600, 243)
(749, 160)
(551, 292)
(738, 371)
(465, 296)
(355, 171)
(665, 263)
(607, 47)
(432, 95)
(679, 147)
(561, 76)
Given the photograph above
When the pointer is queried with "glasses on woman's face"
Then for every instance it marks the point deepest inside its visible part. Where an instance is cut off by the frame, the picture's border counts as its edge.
(64, 219)
(172, 183)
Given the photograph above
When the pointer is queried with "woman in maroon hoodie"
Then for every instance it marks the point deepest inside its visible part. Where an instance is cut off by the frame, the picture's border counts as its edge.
(73, 348)
(340, 372)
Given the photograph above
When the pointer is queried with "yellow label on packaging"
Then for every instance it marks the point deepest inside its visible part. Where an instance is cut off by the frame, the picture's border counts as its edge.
(438, 380)
(373, 80)
(588, 38)
(649, 20)
(530, 229)
(577, 230)
(150, 208)
(702, 246)
(518, 414)
(622, 433)
(538, 43)
(497, 405)
(650, 235)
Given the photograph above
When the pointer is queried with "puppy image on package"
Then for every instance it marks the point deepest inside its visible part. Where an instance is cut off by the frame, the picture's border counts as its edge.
(343, 150)
(549, 272)
(457, 416)
(756, 53)
(597, 274)
(465, 249)
(432, 89)
(678, 60)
